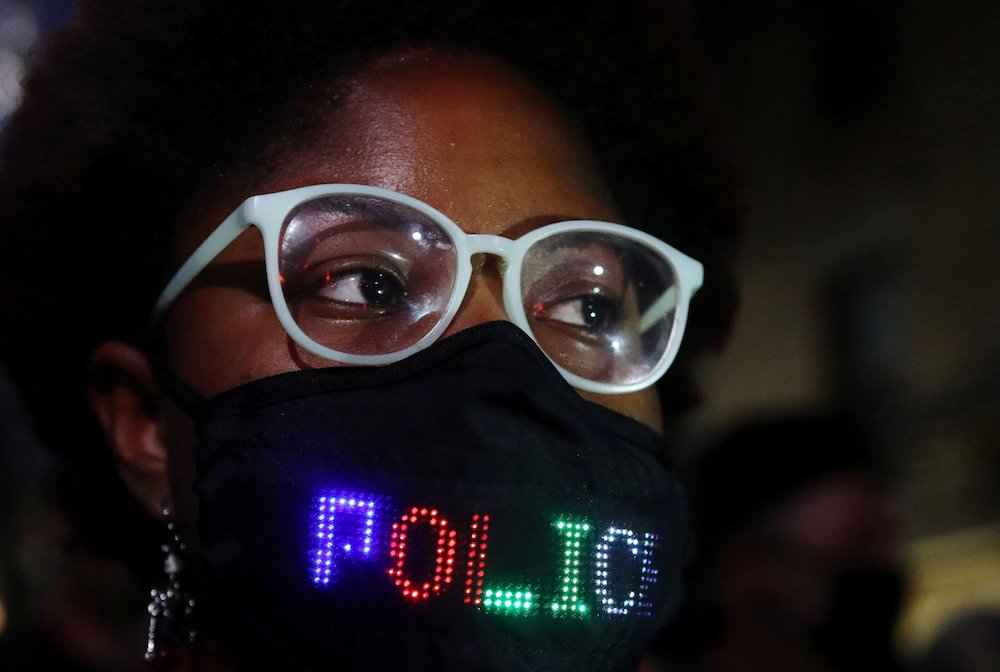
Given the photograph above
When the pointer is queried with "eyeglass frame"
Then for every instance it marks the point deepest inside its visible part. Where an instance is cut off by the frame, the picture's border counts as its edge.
(268, 212)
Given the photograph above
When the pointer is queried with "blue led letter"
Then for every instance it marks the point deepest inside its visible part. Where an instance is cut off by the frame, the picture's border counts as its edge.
(343, 527)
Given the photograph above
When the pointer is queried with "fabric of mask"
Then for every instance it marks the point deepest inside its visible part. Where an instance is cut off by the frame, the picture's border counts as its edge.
(464, 509)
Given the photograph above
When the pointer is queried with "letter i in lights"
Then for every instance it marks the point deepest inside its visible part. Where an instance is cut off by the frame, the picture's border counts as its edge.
(633, 598)
(568, 600)
(343, 526)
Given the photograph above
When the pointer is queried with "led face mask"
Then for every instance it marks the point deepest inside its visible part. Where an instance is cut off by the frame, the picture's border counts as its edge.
(463, 509)
(367, 276)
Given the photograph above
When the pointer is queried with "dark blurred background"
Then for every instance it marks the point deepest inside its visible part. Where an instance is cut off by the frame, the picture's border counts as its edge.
(870, 277)
(869, 133)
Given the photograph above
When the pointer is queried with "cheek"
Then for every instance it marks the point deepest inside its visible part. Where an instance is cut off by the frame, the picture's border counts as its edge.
(643, 406)
(221, 338)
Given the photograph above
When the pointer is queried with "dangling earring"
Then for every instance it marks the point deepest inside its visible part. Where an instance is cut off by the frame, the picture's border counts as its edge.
(171, 609)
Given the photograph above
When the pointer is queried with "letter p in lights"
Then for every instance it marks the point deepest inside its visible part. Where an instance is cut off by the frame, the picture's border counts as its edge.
(344, 526)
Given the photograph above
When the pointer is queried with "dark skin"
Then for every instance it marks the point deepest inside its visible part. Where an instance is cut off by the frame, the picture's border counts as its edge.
(464, 134)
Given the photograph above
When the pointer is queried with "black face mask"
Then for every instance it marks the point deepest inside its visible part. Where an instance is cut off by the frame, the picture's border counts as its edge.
(464, 509)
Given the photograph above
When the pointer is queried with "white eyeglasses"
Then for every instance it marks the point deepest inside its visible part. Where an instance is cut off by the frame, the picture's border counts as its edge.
(367, 276)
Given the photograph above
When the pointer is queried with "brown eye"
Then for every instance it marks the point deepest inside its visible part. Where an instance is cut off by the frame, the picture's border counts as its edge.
(590, 311)
(371, 287)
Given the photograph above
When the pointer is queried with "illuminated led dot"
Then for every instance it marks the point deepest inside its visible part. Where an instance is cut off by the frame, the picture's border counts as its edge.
(476, 564)
(441, 577)
(572, 533)
(633, 599)
(503, 601)
(345, 532)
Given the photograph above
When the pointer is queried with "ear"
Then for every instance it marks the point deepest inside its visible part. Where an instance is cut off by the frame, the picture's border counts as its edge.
(127, 400)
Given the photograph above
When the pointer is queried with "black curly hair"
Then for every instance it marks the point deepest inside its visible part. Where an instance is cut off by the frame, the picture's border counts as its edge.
(140, 112)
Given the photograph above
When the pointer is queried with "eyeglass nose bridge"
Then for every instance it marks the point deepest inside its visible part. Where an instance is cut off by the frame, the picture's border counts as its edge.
(483, 243)
(486, 245)
(478, 247)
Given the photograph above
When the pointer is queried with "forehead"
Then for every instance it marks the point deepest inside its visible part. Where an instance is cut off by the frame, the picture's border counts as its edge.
(464, 133)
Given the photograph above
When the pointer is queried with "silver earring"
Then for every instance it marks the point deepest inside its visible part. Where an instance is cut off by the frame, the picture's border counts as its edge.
(171, 609)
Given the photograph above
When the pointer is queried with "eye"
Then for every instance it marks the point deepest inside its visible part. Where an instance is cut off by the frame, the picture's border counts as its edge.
(347, 288)
(369, 287)
(592, 311)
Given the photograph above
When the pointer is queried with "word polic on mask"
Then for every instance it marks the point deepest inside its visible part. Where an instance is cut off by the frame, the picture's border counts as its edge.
(499, 521)
(610, 567)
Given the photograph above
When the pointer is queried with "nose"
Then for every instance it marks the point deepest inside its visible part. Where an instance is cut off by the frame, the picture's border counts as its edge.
(483, 300)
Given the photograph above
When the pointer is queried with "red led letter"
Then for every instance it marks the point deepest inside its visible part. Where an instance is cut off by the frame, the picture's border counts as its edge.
(444, 550)
(476, 565)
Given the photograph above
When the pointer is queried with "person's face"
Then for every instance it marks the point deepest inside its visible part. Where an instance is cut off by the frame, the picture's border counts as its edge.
(462, 133)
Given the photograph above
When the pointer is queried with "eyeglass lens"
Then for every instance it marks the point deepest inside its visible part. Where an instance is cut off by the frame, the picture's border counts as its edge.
(369, 276)
(599, 304)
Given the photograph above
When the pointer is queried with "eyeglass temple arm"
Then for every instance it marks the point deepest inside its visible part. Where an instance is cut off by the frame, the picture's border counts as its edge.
(660, 307)
(231, 227)
(693, 272)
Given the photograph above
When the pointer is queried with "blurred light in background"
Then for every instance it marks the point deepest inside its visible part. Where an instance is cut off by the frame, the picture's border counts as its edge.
(19, 29)
(953, 574)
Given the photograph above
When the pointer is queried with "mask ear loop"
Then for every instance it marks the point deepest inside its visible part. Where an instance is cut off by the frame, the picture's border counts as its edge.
(171, 608)
(179, 392)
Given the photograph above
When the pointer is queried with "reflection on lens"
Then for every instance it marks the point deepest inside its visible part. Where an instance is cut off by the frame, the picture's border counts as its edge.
(602, 306)
(363, 275)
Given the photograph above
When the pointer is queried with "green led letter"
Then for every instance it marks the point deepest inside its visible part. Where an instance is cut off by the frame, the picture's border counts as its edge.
(514, 600)
(567, 594)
